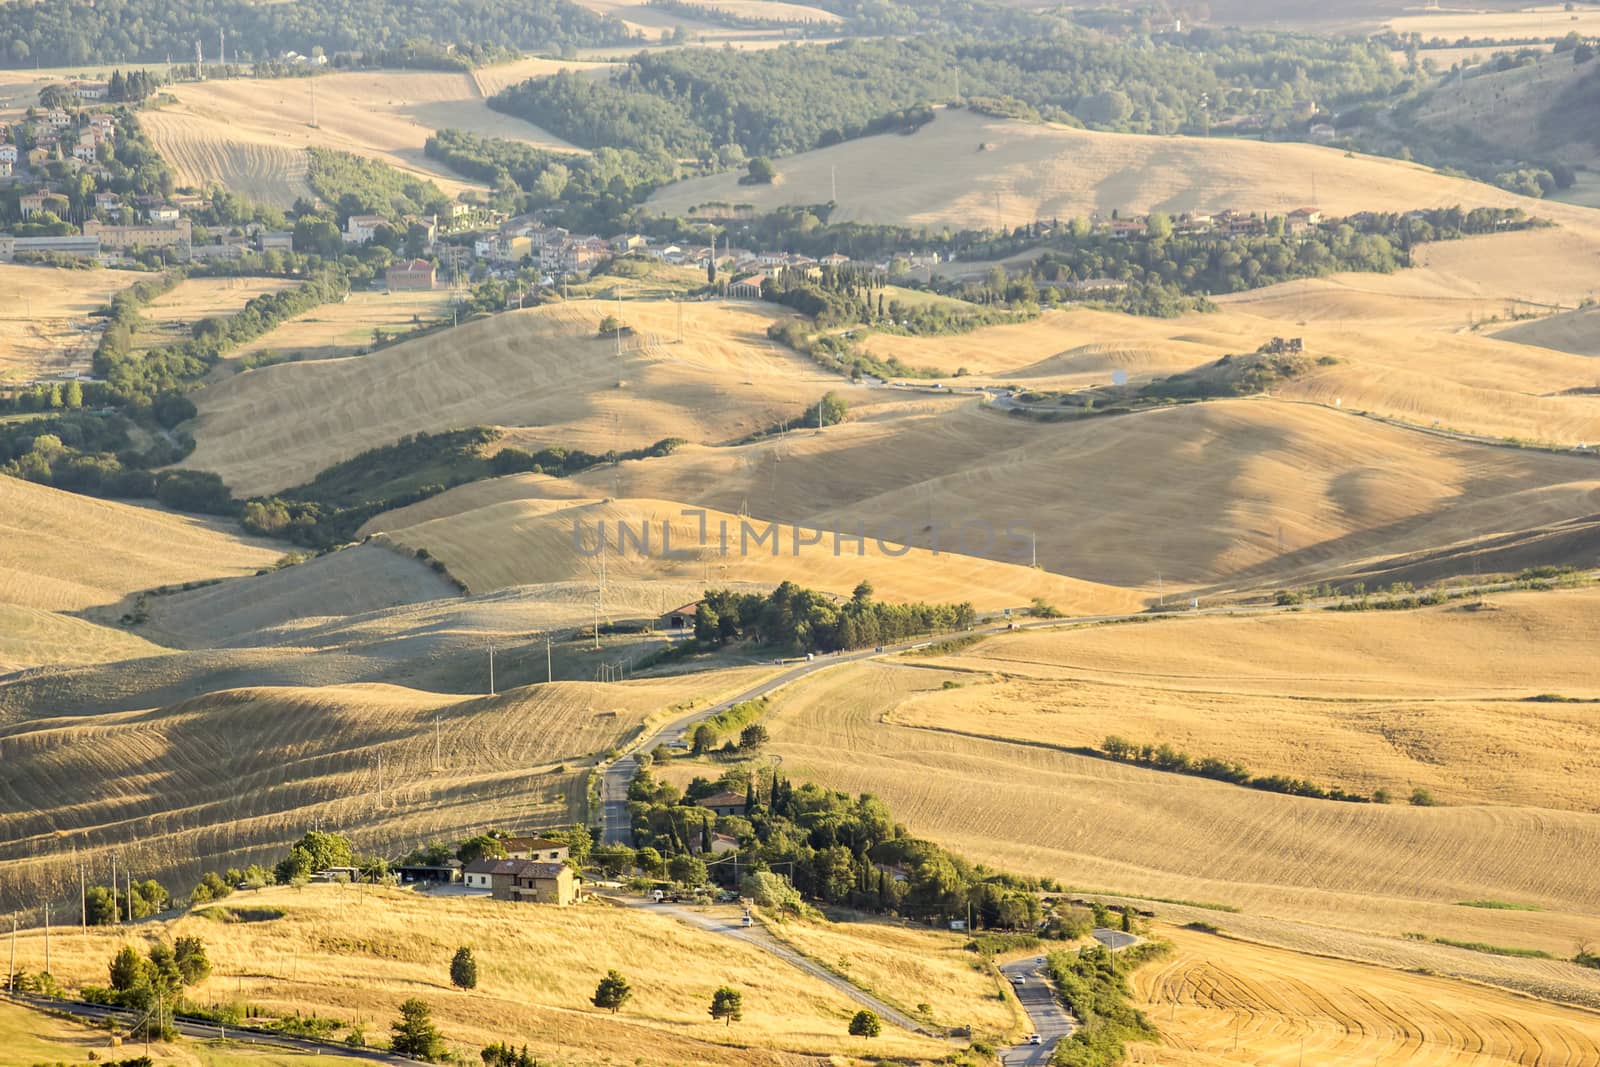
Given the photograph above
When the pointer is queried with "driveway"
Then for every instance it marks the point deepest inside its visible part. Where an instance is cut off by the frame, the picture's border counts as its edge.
(1046, 1015)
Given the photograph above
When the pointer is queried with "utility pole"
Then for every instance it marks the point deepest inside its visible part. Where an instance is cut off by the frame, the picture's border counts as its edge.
(83, 900)
(438, 760)
(833, 183)
(311, 83)
(619, 323)
(47, 937)
(491, 670)
(127, 876)
(380, 778)
(116, 916)
(11, 974)
(548, 673)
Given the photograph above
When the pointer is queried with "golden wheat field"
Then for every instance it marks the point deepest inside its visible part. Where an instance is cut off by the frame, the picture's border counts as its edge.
(169, 318)
(494, 77)
(248, 132)
(534, 541)
(1531, 20)
(543, 369)
(236, 775)
(952, 172)
(1286, 861)
(45, 328)
(354, 953)
(64, 552)
(1219, 1001)
(344, 329)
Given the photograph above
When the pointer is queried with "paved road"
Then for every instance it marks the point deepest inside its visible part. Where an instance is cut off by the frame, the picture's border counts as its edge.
(729, 926)
(1115, 940)
(1048, 1018)
(207, 1031)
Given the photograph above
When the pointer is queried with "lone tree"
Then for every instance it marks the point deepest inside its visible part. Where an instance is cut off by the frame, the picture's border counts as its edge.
(464, 969)
(727, 1004)
(612, 992)
(413, 1033)
(865, 1024)
(760, 171)
(753, 736)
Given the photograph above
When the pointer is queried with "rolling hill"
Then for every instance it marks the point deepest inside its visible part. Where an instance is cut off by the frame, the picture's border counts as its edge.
(965, 168)
(544, 369)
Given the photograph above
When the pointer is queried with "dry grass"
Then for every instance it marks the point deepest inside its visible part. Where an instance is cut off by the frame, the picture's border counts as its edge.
(63, 552)
(531, 542)
(1219, 1001)
(774, 9)
(498, 76)
(910, 966)
(544, 369)
(29, 1037)
(1335, 867)
(354, 954)
(169, 317)
(252, 133)
(45, 329)
(334, 330)
(939, 177)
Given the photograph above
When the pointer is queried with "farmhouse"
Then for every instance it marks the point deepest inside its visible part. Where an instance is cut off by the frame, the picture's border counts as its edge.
(724, 803)
(415, 275)
(545, 849)
(38, 203)
(359, 229)
(533, 881)
(8, 153)
(275, 240)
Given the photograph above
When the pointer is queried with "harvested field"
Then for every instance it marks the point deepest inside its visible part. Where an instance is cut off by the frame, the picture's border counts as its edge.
(1102, 826)
(938, 177)
(532, 541)
(497, 76)
(1392, 700)
(45, 328)
(344, 329)
(544, 370)
(31, 637)
(63, 552)
(170, 317)
(219, 131)
(1577, 332)
(1536, 20)
(260, 766)
(1220, 1001)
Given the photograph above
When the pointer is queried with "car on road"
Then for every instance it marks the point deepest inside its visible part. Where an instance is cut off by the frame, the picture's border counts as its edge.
(1035, 1039)
(1018, 979)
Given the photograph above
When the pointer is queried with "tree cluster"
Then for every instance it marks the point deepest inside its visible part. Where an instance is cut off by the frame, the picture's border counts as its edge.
(74, 33)
(830, 847)
(803, 619)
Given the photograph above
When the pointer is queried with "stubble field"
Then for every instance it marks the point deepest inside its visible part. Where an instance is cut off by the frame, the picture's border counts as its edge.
(45, 329)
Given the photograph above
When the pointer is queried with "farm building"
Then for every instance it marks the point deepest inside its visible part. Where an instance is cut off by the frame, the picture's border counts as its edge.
(747, 288)
(680, 617)
(417, 274)
(544, 849)
(427, 873)
(534, 882)
(724, 803)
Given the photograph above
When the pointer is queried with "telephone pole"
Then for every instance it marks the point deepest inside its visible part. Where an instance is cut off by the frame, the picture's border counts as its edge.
(116, 916)
(11, 974)
(491, 670)
(47, 937)
(548, 674)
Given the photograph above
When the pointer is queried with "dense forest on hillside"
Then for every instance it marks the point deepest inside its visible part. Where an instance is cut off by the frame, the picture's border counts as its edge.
(72, 32)
(714, 104)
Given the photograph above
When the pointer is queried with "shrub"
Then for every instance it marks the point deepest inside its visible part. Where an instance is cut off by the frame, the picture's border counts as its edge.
(464, 969)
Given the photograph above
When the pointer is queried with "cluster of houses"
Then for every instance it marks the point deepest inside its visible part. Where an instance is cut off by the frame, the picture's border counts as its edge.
(1227, 223)
(56, 135)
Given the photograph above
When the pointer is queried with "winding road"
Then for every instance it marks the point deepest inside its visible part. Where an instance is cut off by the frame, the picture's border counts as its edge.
(1049, 1019)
